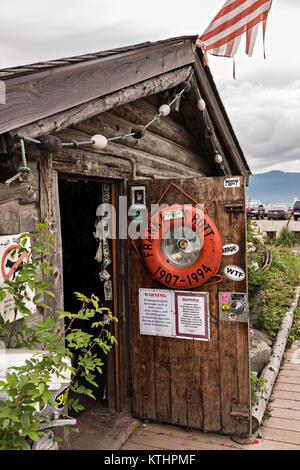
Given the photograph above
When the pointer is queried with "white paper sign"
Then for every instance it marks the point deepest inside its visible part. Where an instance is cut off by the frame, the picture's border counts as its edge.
(232, 183)
(192, 315)
(177, 314)
(10, 262)
(156, 312)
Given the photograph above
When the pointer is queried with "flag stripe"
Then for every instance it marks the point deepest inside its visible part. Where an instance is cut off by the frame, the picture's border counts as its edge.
(223, 35)
(251, 39)
(242, 18)
(236, 33)
(221, 20)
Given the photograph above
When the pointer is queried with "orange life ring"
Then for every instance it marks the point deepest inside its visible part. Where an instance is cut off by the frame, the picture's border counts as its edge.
(182, 247)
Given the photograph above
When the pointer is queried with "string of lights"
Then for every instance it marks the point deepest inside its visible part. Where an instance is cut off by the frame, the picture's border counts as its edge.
(99, 141)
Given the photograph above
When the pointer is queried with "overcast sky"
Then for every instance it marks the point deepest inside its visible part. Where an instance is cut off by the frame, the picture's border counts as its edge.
(263, 103)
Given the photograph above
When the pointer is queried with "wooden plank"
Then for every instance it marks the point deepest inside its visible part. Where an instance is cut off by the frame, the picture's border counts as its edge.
(283, 423)
(284, 413)
(194, 383)
(35, 96)
(123, 158)
(287, 379)
(141, 112)
(163, 388)
(69, 117)
(178, 382)
(201, 394)
(281, 435)
(84, 163)
(234, 338)
(50, 213)
(25, 191)
(286, 394)
(287, 387)
(288, 404)
(123, 323)
(291, 366)
(183, 434)
(265, 444)
(132, 445)
(9, 218)
(29, 217)
(290, 373)
(112, 126)
(174, 443)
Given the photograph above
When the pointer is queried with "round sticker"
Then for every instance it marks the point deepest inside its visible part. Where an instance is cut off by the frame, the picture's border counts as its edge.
(235, 273)
(230, 249)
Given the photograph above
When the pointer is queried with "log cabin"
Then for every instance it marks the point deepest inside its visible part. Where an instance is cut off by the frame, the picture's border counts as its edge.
(118, 94)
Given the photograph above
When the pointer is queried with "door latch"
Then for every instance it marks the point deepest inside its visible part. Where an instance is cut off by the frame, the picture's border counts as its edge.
(233, 306)
(237, 307)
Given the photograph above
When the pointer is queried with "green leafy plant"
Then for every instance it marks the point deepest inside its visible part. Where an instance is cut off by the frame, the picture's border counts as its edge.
(277, 282)
(257, 388)
(286, 238)
(27, 387)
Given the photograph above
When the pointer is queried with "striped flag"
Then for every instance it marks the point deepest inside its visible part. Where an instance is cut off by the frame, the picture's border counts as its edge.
(223, 35)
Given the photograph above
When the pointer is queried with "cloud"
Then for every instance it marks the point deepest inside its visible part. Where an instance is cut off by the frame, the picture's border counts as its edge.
(266, 122)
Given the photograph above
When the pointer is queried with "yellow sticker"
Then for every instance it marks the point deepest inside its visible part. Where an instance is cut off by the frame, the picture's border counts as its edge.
(62, 398)
(225, 308)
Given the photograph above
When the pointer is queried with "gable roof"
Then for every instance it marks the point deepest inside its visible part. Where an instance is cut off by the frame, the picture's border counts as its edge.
(38, 91)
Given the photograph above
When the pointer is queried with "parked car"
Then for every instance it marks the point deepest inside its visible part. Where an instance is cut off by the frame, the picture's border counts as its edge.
(255, 209)
(296, 210)
(279, 211)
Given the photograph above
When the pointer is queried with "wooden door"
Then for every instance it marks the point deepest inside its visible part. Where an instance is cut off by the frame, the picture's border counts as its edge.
(196, 384)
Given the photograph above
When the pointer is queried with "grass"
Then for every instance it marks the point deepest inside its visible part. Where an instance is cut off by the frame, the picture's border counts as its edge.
(286, 238)
(278, 284)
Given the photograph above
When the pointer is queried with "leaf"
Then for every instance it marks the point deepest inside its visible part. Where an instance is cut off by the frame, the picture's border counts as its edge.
(2, 295)
(41, 388)
(5, 423)
(34, 436)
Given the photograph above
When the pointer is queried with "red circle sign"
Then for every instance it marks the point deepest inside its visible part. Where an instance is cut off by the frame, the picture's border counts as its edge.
(14, 267)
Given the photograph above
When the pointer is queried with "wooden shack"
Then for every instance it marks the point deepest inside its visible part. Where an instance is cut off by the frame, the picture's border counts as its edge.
(200, 384)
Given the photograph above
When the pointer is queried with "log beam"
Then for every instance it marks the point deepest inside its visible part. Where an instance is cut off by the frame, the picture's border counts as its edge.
(69, 117)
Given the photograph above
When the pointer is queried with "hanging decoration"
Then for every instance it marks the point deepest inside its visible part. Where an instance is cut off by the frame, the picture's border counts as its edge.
(100, 142)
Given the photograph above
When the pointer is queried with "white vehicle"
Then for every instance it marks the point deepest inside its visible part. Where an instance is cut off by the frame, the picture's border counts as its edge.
(58, 385)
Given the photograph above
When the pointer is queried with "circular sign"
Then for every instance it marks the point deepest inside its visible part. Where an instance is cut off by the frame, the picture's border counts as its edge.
(9, 266)
(235, 273)
(230, 249)
(182, 247)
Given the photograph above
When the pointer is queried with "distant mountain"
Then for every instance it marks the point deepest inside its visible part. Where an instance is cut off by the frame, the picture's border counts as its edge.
(273, 187)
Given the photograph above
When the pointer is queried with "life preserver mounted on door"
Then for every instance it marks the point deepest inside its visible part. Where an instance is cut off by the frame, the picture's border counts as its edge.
(182, 247)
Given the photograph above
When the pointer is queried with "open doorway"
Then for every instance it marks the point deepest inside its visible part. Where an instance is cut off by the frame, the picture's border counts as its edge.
(79, 200)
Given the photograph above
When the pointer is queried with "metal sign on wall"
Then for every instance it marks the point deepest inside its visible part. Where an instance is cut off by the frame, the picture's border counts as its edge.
(177, 314)
(10, 263)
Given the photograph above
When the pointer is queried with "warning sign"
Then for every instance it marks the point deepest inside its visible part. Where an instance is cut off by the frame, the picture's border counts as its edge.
(177, 314)
(192, 316)
(10, 263)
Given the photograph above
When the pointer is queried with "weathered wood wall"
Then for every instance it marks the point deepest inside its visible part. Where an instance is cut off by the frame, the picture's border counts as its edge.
(185, 382)
(167, 150)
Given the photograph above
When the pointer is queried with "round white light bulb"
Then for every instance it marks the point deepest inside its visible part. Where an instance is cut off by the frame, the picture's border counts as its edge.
(201, 105)
(165, 109)
(218, 158)
(99, 142)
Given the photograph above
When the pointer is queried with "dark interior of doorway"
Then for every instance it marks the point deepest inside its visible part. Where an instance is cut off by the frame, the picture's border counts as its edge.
(78, 204)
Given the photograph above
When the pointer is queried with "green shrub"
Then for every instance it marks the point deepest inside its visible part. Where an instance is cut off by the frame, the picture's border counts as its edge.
(28, 386)
(286, 238)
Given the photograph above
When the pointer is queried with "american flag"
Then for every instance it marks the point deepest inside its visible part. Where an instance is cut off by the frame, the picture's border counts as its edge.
(223, 35)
